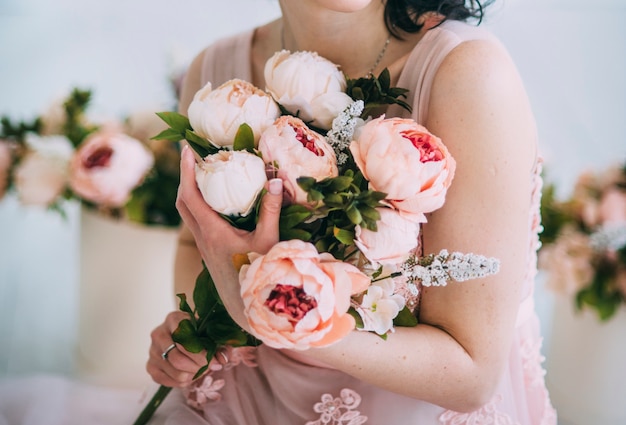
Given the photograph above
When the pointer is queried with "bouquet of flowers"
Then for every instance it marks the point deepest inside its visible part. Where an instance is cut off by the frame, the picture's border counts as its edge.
(356, 191)
(584, 241)
(113, 167)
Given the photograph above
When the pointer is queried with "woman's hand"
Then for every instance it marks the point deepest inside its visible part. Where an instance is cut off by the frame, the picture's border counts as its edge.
(178, 366)
(218, 241)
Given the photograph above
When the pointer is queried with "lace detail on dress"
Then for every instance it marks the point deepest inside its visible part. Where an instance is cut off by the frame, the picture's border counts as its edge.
(486, 415)
(531, 362)
(207, 388)
(339, 410)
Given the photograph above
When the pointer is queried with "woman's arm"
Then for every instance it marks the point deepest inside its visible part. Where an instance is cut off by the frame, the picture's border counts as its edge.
(455, 356)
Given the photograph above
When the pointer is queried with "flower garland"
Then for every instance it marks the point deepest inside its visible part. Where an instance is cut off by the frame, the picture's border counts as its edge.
(357, 187)
(584, 241)
(112, 167)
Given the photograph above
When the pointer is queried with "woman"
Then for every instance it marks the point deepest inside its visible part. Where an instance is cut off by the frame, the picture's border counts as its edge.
(474, 357)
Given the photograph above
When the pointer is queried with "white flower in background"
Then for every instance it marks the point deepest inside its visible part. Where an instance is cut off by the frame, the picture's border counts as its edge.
(231, 181)
(379, 306)
(42, 175)
(143, 125)
(307, 85)
(107, 166)
(392, 243)
(217, 114)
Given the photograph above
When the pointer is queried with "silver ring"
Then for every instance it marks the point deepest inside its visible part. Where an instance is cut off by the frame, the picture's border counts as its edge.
(167, 351)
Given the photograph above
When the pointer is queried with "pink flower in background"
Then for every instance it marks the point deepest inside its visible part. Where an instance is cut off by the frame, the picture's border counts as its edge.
(307, 85)
(41, 176)
(401, 158)
(5, 166)
(612, 207)
(40, 180)
(108, 166)
(297, 151)
(396, 236)
(295, 297)
(217, 114)
(568, 262)
(231, 181)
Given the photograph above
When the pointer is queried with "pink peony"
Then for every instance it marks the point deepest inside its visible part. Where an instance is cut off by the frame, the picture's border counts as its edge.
(401, 158)
(295, 297)
(297, 151)
(217, 114)
(5, 166)
(108, 166)
(395, 238)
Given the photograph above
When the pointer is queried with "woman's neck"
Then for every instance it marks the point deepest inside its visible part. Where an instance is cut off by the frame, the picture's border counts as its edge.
(353, 40)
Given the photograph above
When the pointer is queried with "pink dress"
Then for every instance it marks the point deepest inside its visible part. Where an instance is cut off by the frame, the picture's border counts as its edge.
(283, 389)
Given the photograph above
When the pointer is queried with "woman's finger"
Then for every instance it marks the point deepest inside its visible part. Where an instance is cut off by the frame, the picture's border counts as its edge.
(267, 229)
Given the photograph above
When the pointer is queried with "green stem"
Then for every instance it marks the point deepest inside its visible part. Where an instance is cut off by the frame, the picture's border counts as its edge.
(151, 407)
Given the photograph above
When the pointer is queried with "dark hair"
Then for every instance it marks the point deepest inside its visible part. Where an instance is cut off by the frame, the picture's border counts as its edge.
(403, 14)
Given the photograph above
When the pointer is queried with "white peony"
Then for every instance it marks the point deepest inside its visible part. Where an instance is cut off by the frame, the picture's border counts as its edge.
(307, 85)
(217, 114)
(231, 181)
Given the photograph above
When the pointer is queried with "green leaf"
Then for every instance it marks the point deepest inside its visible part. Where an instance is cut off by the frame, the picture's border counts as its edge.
(185, 335)
(369, 213)
(191, 136)
(344, 236)
(176, 121)
(203, 298)
(169, 134)
(201, 151)
(183, 304)
(354, 215)
(203, 369)
(405, 318)
(288, 234)
(315, 195)
(385, 80)
(244, 139)
(306, 183)
(357, 317)
(291, 220)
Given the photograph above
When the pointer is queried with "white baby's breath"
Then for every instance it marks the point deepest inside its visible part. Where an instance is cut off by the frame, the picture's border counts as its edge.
(340, 135)
(437, 270)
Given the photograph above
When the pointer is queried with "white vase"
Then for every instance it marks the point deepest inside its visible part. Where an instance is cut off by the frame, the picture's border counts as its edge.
(126, 289)
(586, 366)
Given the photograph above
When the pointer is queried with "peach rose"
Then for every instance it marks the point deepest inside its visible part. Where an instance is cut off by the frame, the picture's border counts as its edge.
(296, 298)
(395, 238)
(307, 85)
(401, 158)
(217, 114)
(107, 166)
(231, 181)
(5, 166)
(297, 151)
